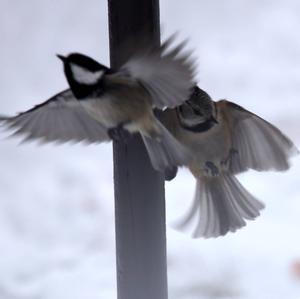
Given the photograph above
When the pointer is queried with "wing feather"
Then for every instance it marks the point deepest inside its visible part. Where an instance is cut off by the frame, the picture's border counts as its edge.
(167, 73)
(59, 119)
(259, 145)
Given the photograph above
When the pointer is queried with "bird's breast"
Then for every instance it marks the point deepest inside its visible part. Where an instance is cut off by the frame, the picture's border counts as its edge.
(113, 109)
(98, 109)
(211, 146)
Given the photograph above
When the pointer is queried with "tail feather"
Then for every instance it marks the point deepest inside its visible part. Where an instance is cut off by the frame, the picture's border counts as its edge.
(221, 204)
(166, 151)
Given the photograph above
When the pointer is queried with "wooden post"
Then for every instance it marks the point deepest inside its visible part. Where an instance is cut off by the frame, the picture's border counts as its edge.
(139, 189)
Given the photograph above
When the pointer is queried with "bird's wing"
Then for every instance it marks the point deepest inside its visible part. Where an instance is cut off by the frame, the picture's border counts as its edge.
(59, 119)
(166, 72)
(169, 119)
(256, 144)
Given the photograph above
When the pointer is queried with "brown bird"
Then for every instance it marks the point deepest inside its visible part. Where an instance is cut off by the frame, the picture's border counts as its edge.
(225, 139)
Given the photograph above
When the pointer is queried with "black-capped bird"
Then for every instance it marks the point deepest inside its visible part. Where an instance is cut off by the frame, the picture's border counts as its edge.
(225, 139)
(101, 101)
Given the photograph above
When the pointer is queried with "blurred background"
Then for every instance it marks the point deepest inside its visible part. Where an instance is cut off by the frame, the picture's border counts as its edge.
(56, 203)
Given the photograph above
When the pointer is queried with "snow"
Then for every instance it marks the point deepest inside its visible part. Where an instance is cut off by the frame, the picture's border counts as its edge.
(56, 203)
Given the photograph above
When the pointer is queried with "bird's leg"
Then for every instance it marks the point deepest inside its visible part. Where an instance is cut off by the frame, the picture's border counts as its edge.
(226, 162)
(211, 169)
(118, 133)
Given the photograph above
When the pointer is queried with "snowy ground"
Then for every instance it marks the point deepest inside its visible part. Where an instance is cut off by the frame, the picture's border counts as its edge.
(56, 203)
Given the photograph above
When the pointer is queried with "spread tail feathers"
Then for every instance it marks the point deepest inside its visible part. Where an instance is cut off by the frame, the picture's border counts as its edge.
(221, 204)
(166, 151)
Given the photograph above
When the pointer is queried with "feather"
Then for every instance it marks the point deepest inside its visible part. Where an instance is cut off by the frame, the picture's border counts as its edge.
(221, 205)
(259, 144)
(167, 73)
(166, 152)
(60, 119)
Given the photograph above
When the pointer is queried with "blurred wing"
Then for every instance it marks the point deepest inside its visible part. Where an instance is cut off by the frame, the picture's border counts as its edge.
(167, 74)
(256, 143)
(169, 119)
(59, 119)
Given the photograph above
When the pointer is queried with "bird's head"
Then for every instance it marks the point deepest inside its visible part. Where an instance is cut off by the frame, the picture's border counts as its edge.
(82, 72)
(198, 109)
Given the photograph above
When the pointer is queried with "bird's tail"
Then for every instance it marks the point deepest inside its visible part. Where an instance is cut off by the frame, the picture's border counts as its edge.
(221, 204)
(165, 151)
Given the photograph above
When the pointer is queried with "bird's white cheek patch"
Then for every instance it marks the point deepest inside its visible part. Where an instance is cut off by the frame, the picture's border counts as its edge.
(84, 76)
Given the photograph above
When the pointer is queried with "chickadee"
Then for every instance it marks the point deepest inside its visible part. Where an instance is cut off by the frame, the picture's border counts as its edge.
(102, 100)
(225, 140)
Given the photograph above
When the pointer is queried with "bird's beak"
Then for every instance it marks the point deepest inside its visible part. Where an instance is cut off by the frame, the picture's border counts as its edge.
(61, 57)
(214, 120)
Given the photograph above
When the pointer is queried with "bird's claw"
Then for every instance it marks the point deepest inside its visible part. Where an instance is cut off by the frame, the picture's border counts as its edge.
(211, 169)
(231, 154)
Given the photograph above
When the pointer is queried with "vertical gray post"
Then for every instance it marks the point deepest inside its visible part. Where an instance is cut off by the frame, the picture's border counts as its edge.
(139, 190)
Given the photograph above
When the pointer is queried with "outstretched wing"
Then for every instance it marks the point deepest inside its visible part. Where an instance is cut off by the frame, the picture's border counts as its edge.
(60, 119)
(256, 143)
(166, 72)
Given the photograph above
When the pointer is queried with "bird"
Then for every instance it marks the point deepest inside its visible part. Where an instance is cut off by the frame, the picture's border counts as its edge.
(225, 139)
(101, 102)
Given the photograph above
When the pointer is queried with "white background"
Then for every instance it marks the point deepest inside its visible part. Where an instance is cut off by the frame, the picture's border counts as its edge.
(56, 203)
